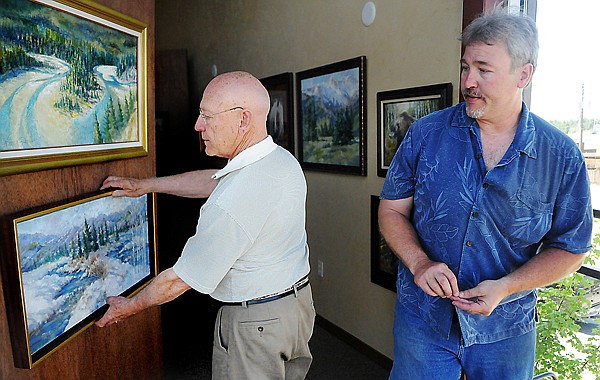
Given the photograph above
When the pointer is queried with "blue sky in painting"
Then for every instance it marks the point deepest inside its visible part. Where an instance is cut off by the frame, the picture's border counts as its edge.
(62, 220)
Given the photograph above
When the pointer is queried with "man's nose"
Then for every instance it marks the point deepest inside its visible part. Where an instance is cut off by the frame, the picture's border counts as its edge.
(469, 79)
(200, 125)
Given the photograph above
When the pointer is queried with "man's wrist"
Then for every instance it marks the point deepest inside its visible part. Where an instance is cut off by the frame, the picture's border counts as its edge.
(419, 261)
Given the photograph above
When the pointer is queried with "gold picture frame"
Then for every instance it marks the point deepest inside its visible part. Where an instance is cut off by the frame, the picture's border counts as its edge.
(61, 261)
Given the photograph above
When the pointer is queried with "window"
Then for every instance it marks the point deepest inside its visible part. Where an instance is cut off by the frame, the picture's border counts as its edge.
(566, 85)
(565, 91)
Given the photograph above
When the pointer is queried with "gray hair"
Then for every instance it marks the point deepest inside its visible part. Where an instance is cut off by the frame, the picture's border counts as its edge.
(518, 32)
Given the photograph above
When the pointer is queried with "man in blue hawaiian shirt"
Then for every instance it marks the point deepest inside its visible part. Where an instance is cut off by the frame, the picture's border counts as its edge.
(483, 203)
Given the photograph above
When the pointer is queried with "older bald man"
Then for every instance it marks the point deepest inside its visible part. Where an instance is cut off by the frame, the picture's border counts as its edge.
(250, 250)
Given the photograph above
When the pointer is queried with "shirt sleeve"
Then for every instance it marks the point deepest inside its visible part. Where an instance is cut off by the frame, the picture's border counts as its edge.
(400, 179)
(209, 254)
(572, 219)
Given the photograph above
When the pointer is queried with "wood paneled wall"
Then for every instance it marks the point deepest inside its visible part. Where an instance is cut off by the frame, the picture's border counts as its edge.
(132, 349)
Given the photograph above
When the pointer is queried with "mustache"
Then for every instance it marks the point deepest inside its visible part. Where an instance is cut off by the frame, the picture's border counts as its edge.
(471, 92)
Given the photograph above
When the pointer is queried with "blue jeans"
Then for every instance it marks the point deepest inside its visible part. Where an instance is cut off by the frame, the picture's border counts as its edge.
(421, 353)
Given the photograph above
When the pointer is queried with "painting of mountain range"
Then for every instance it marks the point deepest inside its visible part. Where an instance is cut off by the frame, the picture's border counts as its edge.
(331, 113)
(72, 257)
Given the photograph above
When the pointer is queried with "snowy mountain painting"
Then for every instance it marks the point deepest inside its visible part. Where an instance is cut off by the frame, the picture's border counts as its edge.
(331, 115)
(68, 81)
(72, 258)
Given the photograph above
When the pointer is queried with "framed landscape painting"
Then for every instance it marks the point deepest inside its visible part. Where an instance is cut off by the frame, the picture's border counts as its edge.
(384, 263)
(398, 109)
(73, 85)
(331, 117)
(61, 261)
(280, 122)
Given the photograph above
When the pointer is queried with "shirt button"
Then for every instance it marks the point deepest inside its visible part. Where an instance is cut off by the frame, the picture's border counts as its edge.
(478, 156)
(475, 214)
(469, 243)
(261, 329)
(486, 185)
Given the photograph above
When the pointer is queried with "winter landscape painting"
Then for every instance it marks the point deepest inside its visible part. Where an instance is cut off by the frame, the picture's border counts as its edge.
(71, 84)
(331, 117)
(64, 261)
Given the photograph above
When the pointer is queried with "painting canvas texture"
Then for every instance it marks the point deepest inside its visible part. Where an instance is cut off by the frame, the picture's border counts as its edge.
(276, 118)
(398, 116)
(73, 258)
(64, 80)
(331, 118)
(387, 260)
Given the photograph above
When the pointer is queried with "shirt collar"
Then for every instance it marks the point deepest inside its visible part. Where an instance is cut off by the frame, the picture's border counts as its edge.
(524, 139)
(247, 156)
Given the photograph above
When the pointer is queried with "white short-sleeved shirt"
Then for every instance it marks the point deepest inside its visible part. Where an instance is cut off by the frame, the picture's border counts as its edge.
(251, 237)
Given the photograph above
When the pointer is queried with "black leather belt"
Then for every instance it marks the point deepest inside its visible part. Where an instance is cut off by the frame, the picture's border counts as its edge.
(272, 297)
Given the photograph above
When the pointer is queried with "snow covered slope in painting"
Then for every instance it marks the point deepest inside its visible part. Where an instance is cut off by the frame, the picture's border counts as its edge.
(72, 259)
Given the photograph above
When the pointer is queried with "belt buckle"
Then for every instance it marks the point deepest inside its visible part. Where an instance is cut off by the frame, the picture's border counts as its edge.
(298, 284)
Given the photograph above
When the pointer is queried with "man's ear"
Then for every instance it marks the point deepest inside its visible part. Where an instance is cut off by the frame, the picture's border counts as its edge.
(525, 75)
(245, 121)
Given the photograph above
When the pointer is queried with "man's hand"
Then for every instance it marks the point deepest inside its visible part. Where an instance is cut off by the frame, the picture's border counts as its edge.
(130, 187)
(436, 279)
(482, 299)
(545, 268)
(119, 309)
(163, 288)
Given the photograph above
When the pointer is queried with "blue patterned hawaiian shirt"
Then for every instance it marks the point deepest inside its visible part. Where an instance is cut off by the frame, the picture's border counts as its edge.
(485, 224)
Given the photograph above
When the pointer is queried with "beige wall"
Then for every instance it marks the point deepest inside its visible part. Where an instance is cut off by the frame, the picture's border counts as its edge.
(411, 43)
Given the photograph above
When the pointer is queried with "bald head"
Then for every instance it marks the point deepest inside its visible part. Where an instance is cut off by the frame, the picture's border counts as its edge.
(240, 89)
(233, 116)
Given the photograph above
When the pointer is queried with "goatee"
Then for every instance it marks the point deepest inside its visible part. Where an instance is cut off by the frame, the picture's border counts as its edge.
(475, 113)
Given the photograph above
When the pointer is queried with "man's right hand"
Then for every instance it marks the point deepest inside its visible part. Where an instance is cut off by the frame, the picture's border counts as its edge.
(129, 187)
(436, 279)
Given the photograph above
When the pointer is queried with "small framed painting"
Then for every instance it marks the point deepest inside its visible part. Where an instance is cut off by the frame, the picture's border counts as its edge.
(61, 261)
(398, 109)
(280, 122)
(331, 117)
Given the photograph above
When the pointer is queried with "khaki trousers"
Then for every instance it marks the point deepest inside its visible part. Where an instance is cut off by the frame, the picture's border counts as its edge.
(264, 341)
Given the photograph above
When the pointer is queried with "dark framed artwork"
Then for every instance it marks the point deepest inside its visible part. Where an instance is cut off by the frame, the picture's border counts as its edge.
(331, 117)
(280, 122)
(73, 85)
(384, 263)
(61, 261)
(398, 109)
